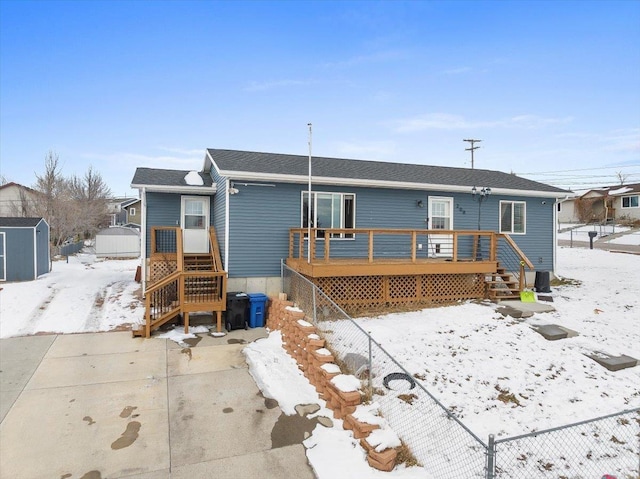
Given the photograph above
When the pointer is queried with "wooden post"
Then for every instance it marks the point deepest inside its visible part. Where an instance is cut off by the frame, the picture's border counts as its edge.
(455, 246)
(370, 246)
(414, 240)
(523, 282)
(476, 239)
(327, 235)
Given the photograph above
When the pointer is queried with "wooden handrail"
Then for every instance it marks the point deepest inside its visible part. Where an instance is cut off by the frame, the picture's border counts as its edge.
(523, 257)
(299, 235)
(163, 282)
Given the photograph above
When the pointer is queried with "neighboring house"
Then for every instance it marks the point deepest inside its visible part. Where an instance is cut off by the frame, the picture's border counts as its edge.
(17, 200)
(608, 203)
(133, 208)
(626, 201)
(256, 201)
(24, 248)
(116, 208)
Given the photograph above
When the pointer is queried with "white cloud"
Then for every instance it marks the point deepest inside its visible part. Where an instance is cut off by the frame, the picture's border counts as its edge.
(182, 159)
(378, 57)
(445, 121)
(364, 149)
(263, 86)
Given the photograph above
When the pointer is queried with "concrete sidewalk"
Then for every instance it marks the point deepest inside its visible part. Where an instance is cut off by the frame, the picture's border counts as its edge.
(104, 405)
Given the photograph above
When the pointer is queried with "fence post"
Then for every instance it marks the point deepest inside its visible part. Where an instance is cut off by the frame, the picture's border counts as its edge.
(491, 457)
(282, 275)
(315, 316)
(370, 366)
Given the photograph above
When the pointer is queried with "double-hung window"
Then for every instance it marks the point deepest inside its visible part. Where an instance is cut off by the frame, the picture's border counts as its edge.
(513, 217)
(630, 201)
(329, 210)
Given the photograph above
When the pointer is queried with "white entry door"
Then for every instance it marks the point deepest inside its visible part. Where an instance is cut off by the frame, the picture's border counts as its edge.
(195, 224)
(440, 218)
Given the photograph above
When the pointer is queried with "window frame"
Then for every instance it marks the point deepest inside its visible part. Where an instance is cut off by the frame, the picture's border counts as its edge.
(524, 217)
(314, 209)
(629, 198)
(132, 211)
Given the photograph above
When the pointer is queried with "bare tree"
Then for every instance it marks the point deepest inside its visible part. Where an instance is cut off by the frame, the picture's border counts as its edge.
(621, 177)
(92, 194)
(53, 201)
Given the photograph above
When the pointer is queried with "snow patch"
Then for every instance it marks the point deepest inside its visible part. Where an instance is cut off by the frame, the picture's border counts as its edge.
(193, 179)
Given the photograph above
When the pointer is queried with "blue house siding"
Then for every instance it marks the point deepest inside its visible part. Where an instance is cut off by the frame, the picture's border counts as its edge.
(163, 209)
(260, 218)
(219, 210)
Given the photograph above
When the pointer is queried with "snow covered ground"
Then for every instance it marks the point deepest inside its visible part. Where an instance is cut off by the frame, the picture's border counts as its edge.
(468, 353)
(580, 232)
(84, 295)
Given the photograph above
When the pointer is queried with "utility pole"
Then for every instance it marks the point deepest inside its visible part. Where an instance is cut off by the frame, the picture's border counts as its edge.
(472, 148)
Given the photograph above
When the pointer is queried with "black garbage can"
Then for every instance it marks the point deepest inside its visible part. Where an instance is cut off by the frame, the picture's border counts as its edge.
(236, 316)
(541, 284)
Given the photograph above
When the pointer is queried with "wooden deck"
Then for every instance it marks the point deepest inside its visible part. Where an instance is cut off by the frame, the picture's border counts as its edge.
(371, 268)
(389, 267)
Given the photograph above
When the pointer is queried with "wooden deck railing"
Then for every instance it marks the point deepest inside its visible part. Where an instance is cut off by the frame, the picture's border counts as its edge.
(513, 259)
(384, 244)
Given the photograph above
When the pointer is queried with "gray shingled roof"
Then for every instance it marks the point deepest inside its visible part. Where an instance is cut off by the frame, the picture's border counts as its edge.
(297, 165)
(159, 177)
(19, 222)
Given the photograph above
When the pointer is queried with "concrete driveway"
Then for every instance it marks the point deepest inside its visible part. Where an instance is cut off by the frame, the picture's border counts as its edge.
(104, 405)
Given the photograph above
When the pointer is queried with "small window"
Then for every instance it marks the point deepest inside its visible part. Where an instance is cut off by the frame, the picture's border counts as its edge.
(513, 217)
(630, 201)
(329, 210)
(132, 211)
(559, 207)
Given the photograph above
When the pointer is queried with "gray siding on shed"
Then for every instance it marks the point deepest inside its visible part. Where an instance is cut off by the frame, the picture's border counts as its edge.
(19, 253)
(260, 218)
(42, 248)
(26, 251)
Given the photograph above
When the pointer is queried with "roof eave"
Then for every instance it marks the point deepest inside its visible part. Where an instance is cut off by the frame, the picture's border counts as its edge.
(207, 190)
(321, 180)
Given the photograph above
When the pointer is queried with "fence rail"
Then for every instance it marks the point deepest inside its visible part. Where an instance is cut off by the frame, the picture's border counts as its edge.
(441, 442)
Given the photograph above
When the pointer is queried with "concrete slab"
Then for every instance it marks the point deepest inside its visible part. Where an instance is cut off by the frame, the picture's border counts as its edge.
(205, 359)
(613, 363)
(513, 312)
(104, 368)
(284, 462)
(19, 358)
(528, 307)
(117, 429)
(99, 343)
(551, 332)
(238, 336)
(218, 415)
(163, 474)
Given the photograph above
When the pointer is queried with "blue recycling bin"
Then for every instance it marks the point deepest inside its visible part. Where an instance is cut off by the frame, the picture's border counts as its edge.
(257, 306)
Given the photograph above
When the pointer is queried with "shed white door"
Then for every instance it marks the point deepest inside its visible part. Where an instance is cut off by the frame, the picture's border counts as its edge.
(440, 218)
(195, 224)
(3, 257)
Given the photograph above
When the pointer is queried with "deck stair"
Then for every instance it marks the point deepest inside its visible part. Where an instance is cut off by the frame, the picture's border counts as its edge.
(502, 285)
(195, 282)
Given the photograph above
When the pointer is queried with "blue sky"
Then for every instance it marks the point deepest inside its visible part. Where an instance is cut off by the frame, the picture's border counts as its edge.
(551, 88)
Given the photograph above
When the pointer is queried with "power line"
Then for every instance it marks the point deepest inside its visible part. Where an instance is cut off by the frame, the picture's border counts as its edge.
(578, 169)
(472, 148)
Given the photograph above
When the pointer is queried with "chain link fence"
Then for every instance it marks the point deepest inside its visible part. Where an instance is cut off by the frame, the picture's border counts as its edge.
(437, 439)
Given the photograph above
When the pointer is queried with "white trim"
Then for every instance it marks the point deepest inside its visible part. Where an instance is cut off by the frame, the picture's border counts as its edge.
(226, 226)
(512, 232)
(35, 252)
(555, 235)
(143, 238)
(191, 190)
(447, 239)
(4, 255)
(323, 180)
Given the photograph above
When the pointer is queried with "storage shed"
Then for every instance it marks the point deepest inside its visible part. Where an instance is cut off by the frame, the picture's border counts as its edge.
(118, 242)
(24, 248)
